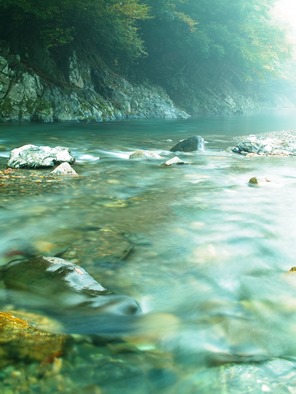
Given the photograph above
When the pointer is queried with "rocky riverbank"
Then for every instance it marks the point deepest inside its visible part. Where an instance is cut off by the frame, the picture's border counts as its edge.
(84, 89)
(83, 92)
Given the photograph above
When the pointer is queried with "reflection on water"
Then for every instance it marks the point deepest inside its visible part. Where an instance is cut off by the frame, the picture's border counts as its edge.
(206, 255)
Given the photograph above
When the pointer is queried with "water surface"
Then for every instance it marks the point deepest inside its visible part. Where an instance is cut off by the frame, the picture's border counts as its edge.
(210, 255)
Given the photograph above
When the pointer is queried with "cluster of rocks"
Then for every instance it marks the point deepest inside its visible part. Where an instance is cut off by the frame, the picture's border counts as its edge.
(267, 144)
(191, 144)
(33, 156)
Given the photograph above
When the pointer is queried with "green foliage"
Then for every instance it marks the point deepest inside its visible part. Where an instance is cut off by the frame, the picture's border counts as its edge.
(106, 26)
(221, 38)
(177, 43)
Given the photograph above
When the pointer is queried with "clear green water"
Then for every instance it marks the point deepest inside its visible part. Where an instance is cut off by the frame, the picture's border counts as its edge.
(209, 265)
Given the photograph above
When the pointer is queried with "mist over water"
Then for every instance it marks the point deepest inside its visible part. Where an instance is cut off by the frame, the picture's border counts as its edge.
(211, 255)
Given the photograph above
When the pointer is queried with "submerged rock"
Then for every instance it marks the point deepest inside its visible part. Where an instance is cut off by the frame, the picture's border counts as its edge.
(96, 247)
(32, 156)
(22, 339)
(190, 145)
(59, 287)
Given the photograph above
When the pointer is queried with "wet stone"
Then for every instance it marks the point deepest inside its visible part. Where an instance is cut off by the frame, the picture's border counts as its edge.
(255, 181)
(191, 144)
(21, 339)
(174, 161)
(62, 289)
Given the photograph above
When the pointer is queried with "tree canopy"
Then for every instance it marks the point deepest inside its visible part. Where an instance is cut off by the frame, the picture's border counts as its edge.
(172, 42)
(106, 26)
(197, 40)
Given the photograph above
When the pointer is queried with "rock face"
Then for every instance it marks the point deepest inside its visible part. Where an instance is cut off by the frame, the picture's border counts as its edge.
(190, 145)
(59, 287)
(87, 92)
(32, 156)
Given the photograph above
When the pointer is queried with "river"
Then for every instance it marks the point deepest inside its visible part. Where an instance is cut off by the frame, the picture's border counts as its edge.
(209, 262)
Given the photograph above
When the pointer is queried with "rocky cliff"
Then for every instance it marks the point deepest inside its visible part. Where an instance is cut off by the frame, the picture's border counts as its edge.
(84, 92)
(83, 88)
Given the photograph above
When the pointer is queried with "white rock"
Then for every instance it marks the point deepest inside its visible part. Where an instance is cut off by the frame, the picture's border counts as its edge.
(144, 154)
(32, 156)
(174, 160)
(64, 169)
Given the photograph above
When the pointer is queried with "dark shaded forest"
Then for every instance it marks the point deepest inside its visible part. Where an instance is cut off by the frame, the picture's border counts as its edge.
(182, 45)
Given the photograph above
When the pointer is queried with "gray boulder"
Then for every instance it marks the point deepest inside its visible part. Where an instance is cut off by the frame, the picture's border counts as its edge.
(32, 156)
(190, 145)
(250, 145)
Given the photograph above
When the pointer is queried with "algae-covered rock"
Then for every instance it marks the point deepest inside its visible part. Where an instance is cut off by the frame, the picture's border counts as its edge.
(22, 339)
(255, 181)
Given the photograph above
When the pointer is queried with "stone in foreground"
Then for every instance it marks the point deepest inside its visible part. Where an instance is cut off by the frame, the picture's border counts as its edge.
(56, 286)
(190, 145)
(33, 156)
(22, 339)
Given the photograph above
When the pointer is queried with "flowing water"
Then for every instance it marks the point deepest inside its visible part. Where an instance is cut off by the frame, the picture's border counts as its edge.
(209, 262)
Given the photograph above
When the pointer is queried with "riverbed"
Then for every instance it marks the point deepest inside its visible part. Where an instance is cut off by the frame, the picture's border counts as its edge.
(206, 255)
